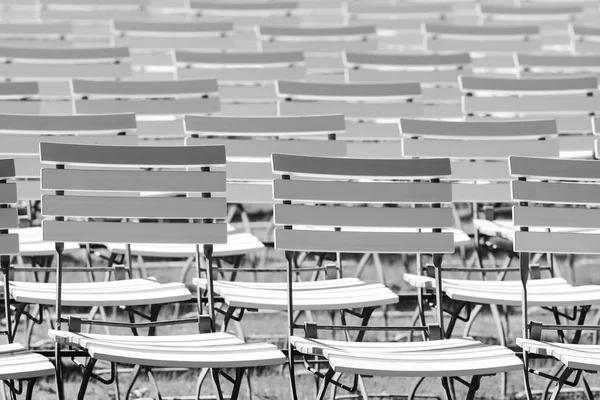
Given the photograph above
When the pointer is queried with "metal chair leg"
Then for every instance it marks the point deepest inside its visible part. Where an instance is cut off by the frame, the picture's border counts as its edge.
(134, 377)
(30, 386)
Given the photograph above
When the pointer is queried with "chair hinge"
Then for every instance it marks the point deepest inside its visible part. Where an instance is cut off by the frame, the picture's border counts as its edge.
(535, 330)
(74, 324)
(434, 332)
(310, 330)
(535, 271)
(204, 324)
(331, 272)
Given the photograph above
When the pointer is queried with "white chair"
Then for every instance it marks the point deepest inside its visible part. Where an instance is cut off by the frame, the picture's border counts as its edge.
(313, 213)
(92, 168)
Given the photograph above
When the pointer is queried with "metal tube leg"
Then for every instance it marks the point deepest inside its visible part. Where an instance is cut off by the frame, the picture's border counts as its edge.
(30, 386)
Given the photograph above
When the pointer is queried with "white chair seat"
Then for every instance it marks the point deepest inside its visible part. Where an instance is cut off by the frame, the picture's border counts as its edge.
(31, 243)
(16, 362)
(437, 358)
(210, 350)
(237, 244)
(540, 292)
(577, 356)
(130, 292)
(312, 295)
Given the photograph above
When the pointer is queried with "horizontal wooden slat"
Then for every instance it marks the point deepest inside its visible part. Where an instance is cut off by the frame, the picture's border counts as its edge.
(481, 170)
(267, 74)
(7, 168)
(425, 76)
(319, 90)
(530, 9)
(338, 31)
(394, 59)
(313, 45)
(267, 126)
(259, 6)
(134, 207)
(13, 123)
(169, 156)
(516, 85)
(361, 192)
(559, 61)
(498, 45)
(249, 192)
(169, 43)
(29, 145)
(144, 88)
(552, 168)
(363, 242)
(95, 4)
(19, 89)
(478, 129)
(8, 218)
(557, 243)
(8, 193)
(9, 244)
(360, 167)
(132, 181)
(239, 58)
(65, 54)
(565, 193)
(362, 111)
(408, 8)
(440, 28)
(35, 28)
(254, 150)
(479, 149)
(121, 232)
(149, 107)
(54, 71)
(582, 30)
(179, 26)
(384, 217)
(534, 106)
(553, 217)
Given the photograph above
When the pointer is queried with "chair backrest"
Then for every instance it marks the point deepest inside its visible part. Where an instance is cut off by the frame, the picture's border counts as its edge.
(357, 101)
(445, 37)
(250, 141)
(159, 35)
(64, 63)
(398, 16)
(9, 242)
(533, 64)
(550, 17)
(20, 136)
(479, 151)
(91, 10)
(325, 193)
(318, 39)
(543, 187)
(30, 98)
(241, 67)
(159, 105)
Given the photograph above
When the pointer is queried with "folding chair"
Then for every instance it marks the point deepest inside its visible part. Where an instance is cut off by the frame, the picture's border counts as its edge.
(399, 24)
(491, 47)
(28, 98)
(152, 42)
(585, 39)
(573, 102)
(555, 195)
(321, 45)
(204, 350)
(437, 73)
(159, 106)
(313, 213)
(246, 80)
(18, 364)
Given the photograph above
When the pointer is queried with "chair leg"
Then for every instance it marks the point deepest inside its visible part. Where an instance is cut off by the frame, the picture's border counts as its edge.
(413, 392)
(85, 379)
(134, 377)
(217, 384)
(474, 314)
(292, 372)
(152, 380)
(326, 380)
(239, 376)
(561, 381)
(201, 377)
(446, 386)
(60, 394)
(473, 387)
(362, 388)
(30, 386)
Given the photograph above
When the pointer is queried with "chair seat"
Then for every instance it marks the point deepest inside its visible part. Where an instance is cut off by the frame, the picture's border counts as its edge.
(437, 358)
(313, 295)
(540, 292)
(210, 350)
(237, 244)
(16, 362)
(577, 356)
(31, 243)
(130, 292)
